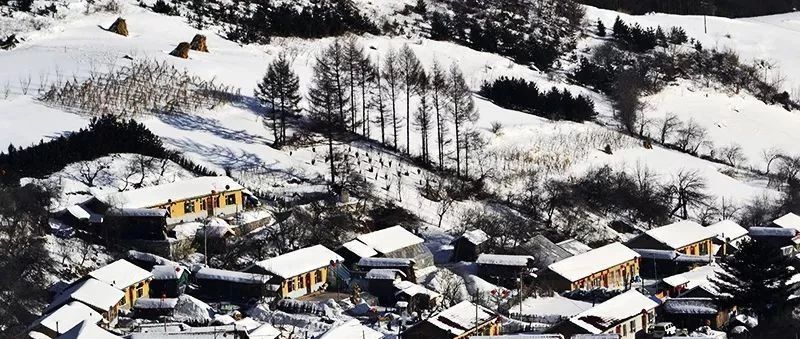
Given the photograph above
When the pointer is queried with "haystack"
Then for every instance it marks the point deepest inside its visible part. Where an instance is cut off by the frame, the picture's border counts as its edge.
(119, 27)
(199, 43)
(182, 51)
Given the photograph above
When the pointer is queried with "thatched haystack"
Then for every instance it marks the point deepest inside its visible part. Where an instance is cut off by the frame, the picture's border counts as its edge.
(182, 51)
(199, 43)
(120, 27)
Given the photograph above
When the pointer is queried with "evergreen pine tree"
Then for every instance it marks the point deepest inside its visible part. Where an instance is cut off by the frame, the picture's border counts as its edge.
(756, 277)
(440, 27)
(601, 28)
(620, 30)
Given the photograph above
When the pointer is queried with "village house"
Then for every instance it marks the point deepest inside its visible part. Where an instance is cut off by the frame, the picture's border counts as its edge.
(127, 277)
(697, 282)
(505, 270)
(462, 320)
(789, 220)
(693, 299)
(787, 240)
(574, 246)
(469, 245)
(392, 242)
(628, 315)
(101, 297)
(655, 264)
(405, 265)
(686, 237)
(417, 296)
(543, 250)
(186, 200)
(154, 308)
(692, 313)
(729, 236)
(223, 285)
(352, 329)
(65, 318)
(88, 330)
(169, 281)
(135, 224)
(299, 272)
(547, 311)
(612, 266)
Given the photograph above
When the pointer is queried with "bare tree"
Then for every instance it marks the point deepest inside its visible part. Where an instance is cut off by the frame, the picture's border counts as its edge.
(688, 191)
(450, 286)
(732, 155)
(422, 119)
(411, 69)
(690, 137)
(439, 90)
(627, 95)
(668, 125)
(770, 156)
(392, 76)
(462, 110)
(88, 171)
(25, 84)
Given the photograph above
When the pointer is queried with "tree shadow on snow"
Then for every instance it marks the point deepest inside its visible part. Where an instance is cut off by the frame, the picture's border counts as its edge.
(192, 122)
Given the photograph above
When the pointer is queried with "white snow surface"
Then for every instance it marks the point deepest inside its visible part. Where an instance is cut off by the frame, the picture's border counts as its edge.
(596, 260)
(360, 249)
(299, 261)
(574, 246)
(550, 308)
(504, 259)
(121, 274)
(68, 316)
(232, 276)
(88, 330)
(352, 329)
(680, 234)
(789, 220)
(91, 292)
(389, 239)
(618, 308)
(727, 229)
(461, 317)
(155, 303)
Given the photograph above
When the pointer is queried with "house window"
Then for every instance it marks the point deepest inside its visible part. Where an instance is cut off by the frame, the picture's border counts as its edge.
(318, 276)
(633, 325)
(703, 248)
(301, 281)
(230, 199)
(188, 207)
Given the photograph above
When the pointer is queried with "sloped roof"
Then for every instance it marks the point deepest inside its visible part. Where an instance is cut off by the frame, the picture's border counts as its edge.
(167, 272)
(68, 316)
(384, 274)
(360, 249)
(545, 251)
(504, 259)
(352, 329)
(680, 234)
(690, 306)
(153, 196)
(574, 246)
(88, 330)
(462, 317)
(299, 261)
(389, 239)
(596, 260)
(475, 237)
(699, 277)
(120, 274)
(607, 314)
(385, 262)
(155, 303)
(412, 289)
(231, 276)
(91, 292)
(772, 232)
(727, 229)
(790, 220)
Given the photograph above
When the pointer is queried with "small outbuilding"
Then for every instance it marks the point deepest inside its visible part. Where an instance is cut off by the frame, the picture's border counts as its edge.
(469, 245)
(505, 269)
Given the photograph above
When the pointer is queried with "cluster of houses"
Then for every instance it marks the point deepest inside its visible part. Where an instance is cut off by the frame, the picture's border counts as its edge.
(666, 274)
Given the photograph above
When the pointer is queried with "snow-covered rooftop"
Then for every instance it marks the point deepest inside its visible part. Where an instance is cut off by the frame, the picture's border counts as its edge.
(389, 239)
(385, 262)
(91, 292)
(556, 305)
(138, 212)
(120, 274)
(680, 234)
(596, 260)
(384, 274)
(155, 303)
(727, 229)
(692, 306)
(154, 196)
(789, 220)
(411, 289)
(88, 330)
(476, 237)
(231, 276)
(68, 316)
(360, 249)
(672, 256)
(607, 314)
(574, 246)
(167, 272)
(504, 260)
(78, 212)
(299, 261)
(352, 329)
(772, 232)
(698, 277)
(462, 317)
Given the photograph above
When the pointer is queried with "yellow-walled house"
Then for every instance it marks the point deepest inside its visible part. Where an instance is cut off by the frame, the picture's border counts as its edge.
(685, 237)
(133, 281)
(99, 296)
(462, 320)
(613, 266)
(299, 272)
(628, 315)
(186, 200)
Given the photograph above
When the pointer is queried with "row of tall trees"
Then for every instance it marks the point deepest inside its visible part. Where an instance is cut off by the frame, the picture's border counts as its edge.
(391, 99)
(728, 8)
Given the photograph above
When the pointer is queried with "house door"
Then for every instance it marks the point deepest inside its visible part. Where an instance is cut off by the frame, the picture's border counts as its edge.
(308, 283)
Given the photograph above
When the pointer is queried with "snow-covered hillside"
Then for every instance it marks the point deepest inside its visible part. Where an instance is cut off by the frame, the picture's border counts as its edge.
(233, 137)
